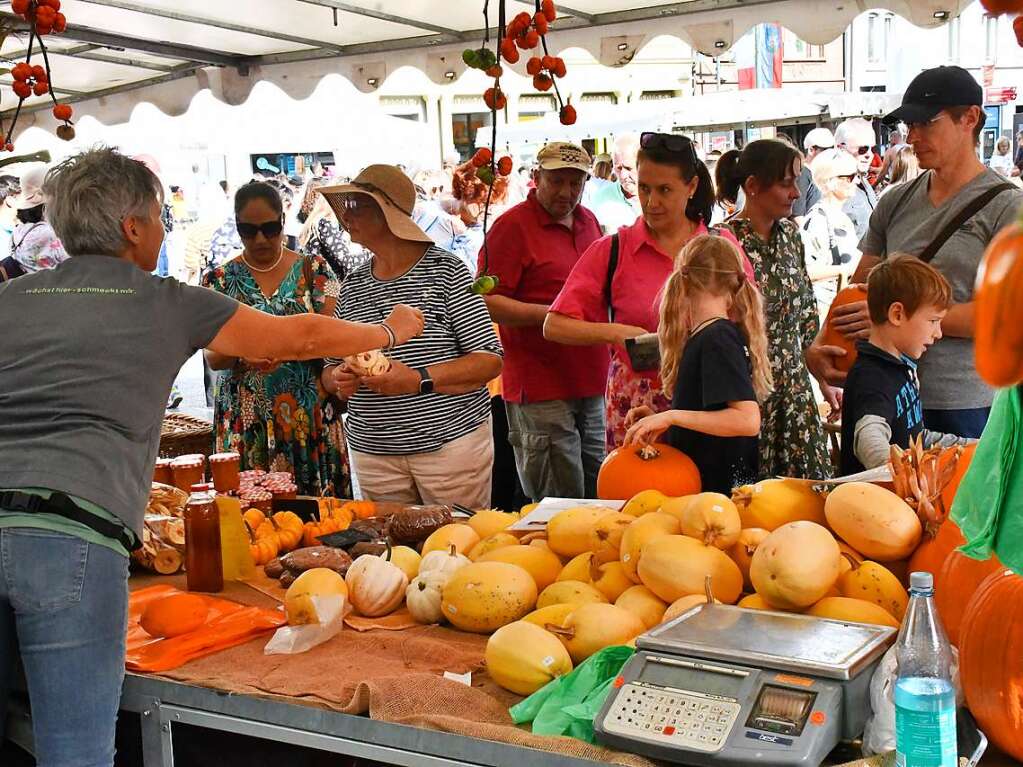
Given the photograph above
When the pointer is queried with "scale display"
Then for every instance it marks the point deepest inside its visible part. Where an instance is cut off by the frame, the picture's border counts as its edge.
(682, 678)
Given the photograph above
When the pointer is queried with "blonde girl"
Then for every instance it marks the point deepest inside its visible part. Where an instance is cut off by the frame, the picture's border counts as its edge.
(714, 361)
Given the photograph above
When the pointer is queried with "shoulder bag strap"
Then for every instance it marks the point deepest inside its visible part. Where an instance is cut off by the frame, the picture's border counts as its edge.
(612, 267)
(969, 211)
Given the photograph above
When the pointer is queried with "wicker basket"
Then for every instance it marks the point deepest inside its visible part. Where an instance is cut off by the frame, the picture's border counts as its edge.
(184, 434)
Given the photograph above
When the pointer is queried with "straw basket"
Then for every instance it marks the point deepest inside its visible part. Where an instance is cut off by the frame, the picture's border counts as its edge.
(184, 434)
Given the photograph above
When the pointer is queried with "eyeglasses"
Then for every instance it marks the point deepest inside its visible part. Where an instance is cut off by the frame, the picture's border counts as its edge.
(850, 177)
(270, 229)
(922, 124)
(671, 142)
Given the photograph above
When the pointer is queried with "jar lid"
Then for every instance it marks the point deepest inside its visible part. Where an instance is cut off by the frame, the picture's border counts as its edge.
(220, 457)
(202, 487)
(192, 459)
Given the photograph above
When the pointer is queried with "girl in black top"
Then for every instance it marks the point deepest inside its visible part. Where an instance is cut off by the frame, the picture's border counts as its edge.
(714, 360)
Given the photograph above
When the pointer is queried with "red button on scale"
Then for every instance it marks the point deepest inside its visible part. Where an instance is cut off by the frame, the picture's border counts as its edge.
(668, 730)
(619, 681)
(818, 718)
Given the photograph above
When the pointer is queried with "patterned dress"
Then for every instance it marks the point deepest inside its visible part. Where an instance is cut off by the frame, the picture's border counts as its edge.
(792, 440)
(335, 245)
(282, 420)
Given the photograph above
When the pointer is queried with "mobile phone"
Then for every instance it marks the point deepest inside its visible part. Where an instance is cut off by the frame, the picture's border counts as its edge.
(644, 352)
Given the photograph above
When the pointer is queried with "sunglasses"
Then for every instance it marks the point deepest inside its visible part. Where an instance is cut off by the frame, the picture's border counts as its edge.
(850, 177)
(862, 150)
(922, 124)
(671, 142)
(270, 229)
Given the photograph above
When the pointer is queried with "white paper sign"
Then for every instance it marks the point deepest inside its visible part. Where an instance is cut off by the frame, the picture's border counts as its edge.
(538, 518)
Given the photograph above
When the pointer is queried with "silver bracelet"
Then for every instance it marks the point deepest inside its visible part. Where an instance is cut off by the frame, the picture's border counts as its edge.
(392, 339)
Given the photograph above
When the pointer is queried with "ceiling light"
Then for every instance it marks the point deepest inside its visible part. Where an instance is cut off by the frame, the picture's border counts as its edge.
(941, 15)
(372, 81)
(450, 74)
(719, 44)
(623, 46)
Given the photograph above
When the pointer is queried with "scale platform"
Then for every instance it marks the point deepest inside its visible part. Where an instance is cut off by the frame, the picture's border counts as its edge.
(724, 685)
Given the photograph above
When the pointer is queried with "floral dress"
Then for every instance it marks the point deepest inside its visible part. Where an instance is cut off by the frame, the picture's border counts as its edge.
(282, 420)
(792, 440)
(335, 245)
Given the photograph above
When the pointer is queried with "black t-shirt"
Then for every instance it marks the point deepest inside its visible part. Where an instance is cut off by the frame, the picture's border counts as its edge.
(882, 385)
(716, 369)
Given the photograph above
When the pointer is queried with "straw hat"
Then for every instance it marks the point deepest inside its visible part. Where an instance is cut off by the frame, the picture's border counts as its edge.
(392, 190)
(31, 188)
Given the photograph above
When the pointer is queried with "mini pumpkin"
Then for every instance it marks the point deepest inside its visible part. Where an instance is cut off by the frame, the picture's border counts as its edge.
(371, 363)
(375, 586)
(423, 597)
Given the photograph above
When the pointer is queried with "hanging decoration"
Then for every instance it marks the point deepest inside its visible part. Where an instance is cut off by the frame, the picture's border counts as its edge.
(34, 79)
(525, 32)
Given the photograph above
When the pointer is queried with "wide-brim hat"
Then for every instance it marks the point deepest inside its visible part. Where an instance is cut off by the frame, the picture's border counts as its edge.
(392, 190)
(31, 183)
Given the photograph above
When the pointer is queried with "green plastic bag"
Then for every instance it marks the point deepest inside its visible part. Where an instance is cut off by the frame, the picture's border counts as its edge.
(989, 503)
(567, 705)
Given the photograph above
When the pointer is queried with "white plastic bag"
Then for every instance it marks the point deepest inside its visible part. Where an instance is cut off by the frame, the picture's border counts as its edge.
(879, 733)
(291, 640)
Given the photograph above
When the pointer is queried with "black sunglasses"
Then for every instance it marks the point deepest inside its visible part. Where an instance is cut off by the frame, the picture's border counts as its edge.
(847, 177)
(270, 229)
(671, 142)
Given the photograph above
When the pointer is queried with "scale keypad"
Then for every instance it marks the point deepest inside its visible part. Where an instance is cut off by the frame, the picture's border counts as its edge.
(671, 717)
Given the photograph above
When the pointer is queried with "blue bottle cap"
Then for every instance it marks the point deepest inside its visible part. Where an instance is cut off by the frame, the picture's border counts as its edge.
(921, 581)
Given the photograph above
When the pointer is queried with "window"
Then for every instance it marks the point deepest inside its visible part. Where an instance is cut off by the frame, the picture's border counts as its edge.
(953, 41)
(990, 38)
(879, 34)
(657, 95)
(800, 50)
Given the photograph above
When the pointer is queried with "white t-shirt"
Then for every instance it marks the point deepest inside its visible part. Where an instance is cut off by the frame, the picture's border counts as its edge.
(1001, 163)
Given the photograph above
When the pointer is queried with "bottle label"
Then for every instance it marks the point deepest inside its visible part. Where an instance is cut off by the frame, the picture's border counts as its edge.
(925, 738)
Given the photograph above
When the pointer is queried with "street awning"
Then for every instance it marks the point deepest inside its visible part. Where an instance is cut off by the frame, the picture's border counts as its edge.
(116, 54)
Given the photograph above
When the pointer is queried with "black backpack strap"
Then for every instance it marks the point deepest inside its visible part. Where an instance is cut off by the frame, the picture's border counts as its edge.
(61, 505)
(968, 211)
(612, 267)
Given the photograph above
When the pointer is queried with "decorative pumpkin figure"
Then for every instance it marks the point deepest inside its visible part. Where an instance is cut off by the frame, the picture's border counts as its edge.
(630, 470)
(371, 363)
(375, 586)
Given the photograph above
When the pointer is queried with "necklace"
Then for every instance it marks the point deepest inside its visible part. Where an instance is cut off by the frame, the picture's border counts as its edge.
(705, 323)
(269, 268)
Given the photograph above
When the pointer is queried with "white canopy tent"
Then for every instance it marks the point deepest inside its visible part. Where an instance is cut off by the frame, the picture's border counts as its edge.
(118, 53)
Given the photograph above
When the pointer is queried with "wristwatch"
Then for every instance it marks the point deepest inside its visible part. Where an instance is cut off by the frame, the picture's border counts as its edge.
(425, 382)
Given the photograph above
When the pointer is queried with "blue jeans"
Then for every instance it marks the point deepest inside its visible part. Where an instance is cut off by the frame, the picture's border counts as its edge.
(162, 261)
(962, 423)
(63, 611)
(559, 446)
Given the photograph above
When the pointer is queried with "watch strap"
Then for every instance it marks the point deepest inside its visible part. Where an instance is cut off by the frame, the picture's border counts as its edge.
(425, 382)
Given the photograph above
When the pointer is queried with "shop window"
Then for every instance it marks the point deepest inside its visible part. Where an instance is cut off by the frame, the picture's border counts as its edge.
(599, 98)
(464, 127)
(406, 107)
(533, 106)
(879, 31)
(658, 95)
(990, 38)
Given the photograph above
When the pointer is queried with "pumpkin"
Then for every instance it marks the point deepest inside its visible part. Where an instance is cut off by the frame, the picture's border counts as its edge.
(522, 657)
(998, 325)
(852, 611)
(674, 566)
(948, 493)
(289, 527)
(592, 627)
(991, 659)
(743, 549)
(375, 586)
(757, 602)
(462, 537)
(833, 337)
(684, 604)
(796, 565)
(311, 531)
(954, 587)
(254, 518)
(644, 604)
(300, 600)
(490, 521)
(343, 511)
(931, 554)
(775, 502)
(492, 543)
(610, 579)
(644, 502)
(675, 506)
(606, 535)
(484, 596)
(872, 582)
(874, 521)
(641, 532)
(543, 566)
(631, 469)
(569, 592)
(568, 532)
(423, 597)
(556, 614)
(712, 519)
(578, 568)
(405, 558)
(174, 615)
(264, 546)
(447, 562)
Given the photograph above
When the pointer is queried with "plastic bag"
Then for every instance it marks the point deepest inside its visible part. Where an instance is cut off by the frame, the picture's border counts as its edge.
(879, 733)
(988, 506)
(568, 705)
(291, 640)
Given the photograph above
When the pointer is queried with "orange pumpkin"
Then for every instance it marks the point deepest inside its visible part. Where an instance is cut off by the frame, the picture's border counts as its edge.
(264, 543)
(957, 582)
(629, 470)
(948, 493)
(991, 659)
(932, 553)
(174, 615)
(833, 337)
(289, 528)
(998, 318)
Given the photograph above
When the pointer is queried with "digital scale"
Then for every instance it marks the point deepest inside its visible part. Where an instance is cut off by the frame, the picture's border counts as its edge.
(723, 685)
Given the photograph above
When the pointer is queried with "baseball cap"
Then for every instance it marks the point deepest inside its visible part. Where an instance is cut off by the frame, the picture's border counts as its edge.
(935, 89)
(561, 154)
(822, 138)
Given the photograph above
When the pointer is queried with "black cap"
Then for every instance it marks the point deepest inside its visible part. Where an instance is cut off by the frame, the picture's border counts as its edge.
(935, 89)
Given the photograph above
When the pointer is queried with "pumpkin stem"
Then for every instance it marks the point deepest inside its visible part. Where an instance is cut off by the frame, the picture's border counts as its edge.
(452, 550)
(248, 529)
(742, 497)
(648, 452)
(561, 631)
(707, 590)
(387, 551)
(855, 563)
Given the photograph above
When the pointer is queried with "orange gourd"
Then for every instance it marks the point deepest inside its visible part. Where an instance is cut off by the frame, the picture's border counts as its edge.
(629, 470)
(998, 317)
(254, 518)
(312, 531)
(289, 528)
(932, 553)
(948, 493)
(360, 509)
(991, 659)
(833, 337)
(955, 585)
(264, 544)
(174, 615)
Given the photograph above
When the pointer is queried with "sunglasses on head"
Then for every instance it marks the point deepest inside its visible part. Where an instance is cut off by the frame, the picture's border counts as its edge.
(671, 142)
(270, 229)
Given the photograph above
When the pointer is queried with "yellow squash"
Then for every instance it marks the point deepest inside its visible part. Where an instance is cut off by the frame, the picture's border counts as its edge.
(674, 566)
(484, 596)
(796, 565)
(522, 657)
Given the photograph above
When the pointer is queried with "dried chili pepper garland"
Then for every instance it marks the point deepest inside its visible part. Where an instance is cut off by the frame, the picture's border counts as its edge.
(524, 32)
(44, 18)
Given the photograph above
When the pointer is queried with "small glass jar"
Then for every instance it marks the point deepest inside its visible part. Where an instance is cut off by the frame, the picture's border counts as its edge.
(189, 470)
(162, 471)
(225, 469)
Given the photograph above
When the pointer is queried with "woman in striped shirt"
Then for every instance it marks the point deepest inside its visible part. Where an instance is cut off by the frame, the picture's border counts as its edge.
(421, 432)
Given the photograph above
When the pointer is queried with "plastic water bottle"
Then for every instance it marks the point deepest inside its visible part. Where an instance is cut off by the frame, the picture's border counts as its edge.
(925, 698)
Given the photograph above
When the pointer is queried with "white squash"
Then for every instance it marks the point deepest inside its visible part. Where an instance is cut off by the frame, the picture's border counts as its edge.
(447, 562)
(423, 597)
(375, 586)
